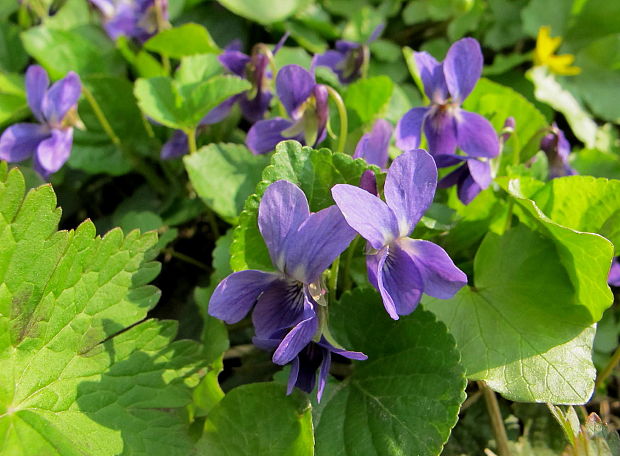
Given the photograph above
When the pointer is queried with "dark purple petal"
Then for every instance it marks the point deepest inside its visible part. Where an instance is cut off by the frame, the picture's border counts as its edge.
(322, 112)
(37, 82)
(432, 75)
(614, 273)
(280, 307)
(368, 182)
(280, 43)
(234, 61)
(454, 177)
(374, 145)
(476, 136)
(294, 85)
(298, 337)
(310, 358)
(236, 294)
(60, 98)
(264, 135)
(323, 373)
(400, 282)
(54, 151)
(344, 46)
(320, 239)
(220, 112)
(366, 214)
(376, 33)
(293, 375)
(372, 267)
(480, 172)
(358, 356)
(409, 129)
(330, 59)
(462, 68)
(175, 147)
(20, 141)
(254, 109)
(440, 131)
(410, 187)
(282, 210)
(468, 189)
(441, 278)
(445, 161)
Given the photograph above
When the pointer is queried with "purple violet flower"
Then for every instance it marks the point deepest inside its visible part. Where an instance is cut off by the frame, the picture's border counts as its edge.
(374, 145)
(135, 19)
(287, 304)
(399, 267)
(473, 176)
(305, 102)
(349, 59)
(557, 148)
(49, 141)
(614, 273)
(445, 124)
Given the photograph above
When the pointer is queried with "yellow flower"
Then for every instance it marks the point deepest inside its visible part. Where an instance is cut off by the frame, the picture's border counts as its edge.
(546, 45)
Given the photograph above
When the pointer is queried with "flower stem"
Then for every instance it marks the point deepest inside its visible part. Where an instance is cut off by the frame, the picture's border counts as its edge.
(346, 283)
(187, 259)
(333, 277)
(613, 362)
(501, 438)
(103, 120)
(191, 140)
(342, 113)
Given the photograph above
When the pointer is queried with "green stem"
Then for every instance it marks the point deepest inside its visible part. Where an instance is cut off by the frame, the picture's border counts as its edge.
(187, 259)
(333, 277)
(346, 284)
(191, 140)
(213, 222)
(501, 438)
(613, 362)
(103, 120)
(342, 113)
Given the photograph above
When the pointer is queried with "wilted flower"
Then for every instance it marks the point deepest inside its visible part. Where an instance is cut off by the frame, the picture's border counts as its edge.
(544, 54)
(557, 148)
(401, 268)
(349, 59)
(48, 142)
(305, 102)
(137, 19)
(286, 303)
(445, 124)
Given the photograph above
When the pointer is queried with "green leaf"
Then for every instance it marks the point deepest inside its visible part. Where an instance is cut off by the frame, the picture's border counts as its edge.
(405, 398)
(13, 105)
(595, 19)
(553, 13)
(368, 98)
(521, 328)
(264, 11)
(224, 175)
(71, 368)
(12, 54)
(183, 106)
(259, 420)
(596, 163)
(85, 50)
(583, 203)
(197, 68)
(497, 103)
(315, 171)
(145, 64)
(187, 39)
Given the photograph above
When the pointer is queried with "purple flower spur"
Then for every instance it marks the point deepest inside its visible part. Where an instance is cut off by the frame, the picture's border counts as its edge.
(288, 303)
(48, 142)
(445, 124)
(305, 102)
(557, 148)
(399, 267)
(135, 19)
(349, 59)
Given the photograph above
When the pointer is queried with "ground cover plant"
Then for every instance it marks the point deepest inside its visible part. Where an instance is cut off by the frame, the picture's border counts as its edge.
(331, 227)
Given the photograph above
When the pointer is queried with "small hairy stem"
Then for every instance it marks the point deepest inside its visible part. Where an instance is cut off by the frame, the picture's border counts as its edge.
(496, 419)
(212, 219)
(342, 113)
(191, 140)
(181, 256)
(333, 277)
(103, 120)
(613, 362)
(346, 280)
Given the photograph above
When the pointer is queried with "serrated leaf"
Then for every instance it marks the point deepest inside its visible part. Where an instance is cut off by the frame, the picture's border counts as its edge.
(183, 106)
(405, 398)
(224, 175)
(74, 381)
(85, 50)
(259, 420)
(187, 39)
(315, 171)
(522, 327)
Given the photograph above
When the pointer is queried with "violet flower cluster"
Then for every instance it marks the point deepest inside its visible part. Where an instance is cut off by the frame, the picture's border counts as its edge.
(289, 307)
(136, 19)
(49, 141)
(446, 125)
